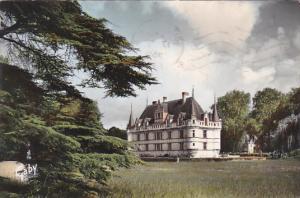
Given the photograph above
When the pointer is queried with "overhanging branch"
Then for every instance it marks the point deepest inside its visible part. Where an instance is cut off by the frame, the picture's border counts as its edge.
(9, 29)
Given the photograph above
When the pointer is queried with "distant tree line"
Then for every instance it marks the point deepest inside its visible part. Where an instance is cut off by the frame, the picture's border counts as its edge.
(116, 132)
(269, 118)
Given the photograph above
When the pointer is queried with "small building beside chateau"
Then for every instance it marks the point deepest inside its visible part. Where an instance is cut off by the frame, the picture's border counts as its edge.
(176, 128)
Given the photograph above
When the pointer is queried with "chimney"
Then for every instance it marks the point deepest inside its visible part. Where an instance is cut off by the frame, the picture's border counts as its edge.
(154, 102)
(184, 95)
(164, 99)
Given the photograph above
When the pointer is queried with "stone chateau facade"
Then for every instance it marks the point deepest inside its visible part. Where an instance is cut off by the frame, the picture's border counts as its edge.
(177, 128)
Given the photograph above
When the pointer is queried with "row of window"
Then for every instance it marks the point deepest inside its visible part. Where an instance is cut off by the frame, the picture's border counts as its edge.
(158, 147)
(169, 124)
(158, 135)
(179, 122)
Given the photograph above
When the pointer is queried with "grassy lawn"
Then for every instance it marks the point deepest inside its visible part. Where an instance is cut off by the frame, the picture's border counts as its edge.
(270, 178)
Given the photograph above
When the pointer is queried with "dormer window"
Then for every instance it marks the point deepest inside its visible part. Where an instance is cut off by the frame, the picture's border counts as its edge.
(158, 115)
(170, 119)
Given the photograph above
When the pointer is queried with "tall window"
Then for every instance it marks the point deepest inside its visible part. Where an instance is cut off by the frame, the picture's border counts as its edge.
(138, 137)
(146, 147)
(169, 146)
(169, 135)
(204, 145)
(146, 136)
(181, 145)
(159, 115)
(181, 133)
(204, 133)
(193, 133)
(158, 135)
(158, 147)
(193, 121)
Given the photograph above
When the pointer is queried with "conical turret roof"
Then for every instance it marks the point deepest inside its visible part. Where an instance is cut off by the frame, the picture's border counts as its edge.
(215, 115)
(130, 122)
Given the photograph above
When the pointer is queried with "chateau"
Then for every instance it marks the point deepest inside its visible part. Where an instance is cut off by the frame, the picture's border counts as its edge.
(176, 128)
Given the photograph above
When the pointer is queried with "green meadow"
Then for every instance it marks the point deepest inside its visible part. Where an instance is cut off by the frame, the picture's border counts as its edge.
(269, 178)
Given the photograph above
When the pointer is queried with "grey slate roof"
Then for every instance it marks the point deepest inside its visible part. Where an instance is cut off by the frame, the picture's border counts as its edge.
(175, 107)
(130, 122)
(215, 116)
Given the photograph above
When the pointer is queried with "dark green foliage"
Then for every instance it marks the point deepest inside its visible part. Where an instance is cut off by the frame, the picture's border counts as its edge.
(25, 92)
(101, 143)
(233, 109)
(234, 104)
(77, 130)
(14, 188)
(73, 152)
(252, 126)
(265, 102)
(114, 131)
(48, 35)
(295, 100)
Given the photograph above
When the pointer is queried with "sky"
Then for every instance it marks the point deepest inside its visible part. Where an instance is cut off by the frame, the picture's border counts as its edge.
(214, 47)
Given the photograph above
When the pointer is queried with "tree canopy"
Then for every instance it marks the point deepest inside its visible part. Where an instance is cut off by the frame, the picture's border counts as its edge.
(233, 108)
(265, 103)
(116, 132)
(54, 39)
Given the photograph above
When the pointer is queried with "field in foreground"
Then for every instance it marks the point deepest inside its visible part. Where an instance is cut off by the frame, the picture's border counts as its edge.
(270, 178)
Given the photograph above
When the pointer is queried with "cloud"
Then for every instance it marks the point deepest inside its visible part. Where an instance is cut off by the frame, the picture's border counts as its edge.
(268, 63)
(218, 21)
(92, 8)
(262, 75)
(140, 21)
(278, 17)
